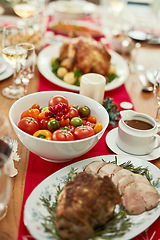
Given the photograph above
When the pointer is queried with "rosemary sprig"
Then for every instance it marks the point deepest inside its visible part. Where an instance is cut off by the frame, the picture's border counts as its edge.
(49, 221)
(71, 174)
(115, 227)
(139, 170)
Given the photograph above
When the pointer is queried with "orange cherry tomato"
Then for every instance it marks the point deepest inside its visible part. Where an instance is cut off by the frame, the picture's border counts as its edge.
(41, 116)
(98, 127)
(36, 106)
(31, 113)
(92, 119)
(64, 122)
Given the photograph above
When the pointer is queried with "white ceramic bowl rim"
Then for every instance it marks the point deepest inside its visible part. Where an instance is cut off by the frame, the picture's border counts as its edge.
(68, 7)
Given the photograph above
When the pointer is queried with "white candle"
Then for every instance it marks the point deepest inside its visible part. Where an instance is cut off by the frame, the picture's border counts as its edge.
(93, 85)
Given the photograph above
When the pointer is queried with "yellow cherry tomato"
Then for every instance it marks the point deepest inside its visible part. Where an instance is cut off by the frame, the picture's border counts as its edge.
(98, 127)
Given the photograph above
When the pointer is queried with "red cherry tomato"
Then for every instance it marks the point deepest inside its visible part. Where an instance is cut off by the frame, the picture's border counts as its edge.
(57, 99)
(84, 121)
(43, 123)
(89, 124)
(69, 128)
(73, 112)
(62, 135)
(83, 132)
(28, 125)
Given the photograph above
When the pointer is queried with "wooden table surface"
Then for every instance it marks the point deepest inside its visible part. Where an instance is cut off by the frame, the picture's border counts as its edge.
(143, 102)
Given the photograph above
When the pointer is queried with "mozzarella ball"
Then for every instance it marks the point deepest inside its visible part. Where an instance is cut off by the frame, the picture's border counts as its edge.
(61, 72)
(69, 78)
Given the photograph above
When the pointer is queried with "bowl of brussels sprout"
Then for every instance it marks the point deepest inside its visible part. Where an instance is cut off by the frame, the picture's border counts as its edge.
(58, 126)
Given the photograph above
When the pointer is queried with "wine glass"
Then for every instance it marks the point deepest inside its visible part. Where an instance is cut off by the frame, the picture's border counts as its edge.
(5, 151)
(157, 95)
(27, 8)
(13, 35)
(27, 64)
(24, 9)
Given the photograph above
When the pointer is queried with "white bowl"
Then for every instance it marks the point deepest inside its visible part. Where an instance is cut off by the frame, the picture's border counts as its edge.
(57, 151)
(72, 10)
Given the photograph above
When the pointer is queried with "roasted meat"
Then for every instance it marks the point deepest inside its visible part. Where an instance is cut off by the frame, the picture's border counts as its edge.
(86, 54)
(94, 166)
(139, 197)
(85, 203)
(109, 169)
(137, 193)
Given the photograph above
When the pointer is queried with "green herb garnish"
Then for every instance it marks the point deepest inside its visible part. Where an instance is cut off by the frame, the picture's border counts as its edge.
(112, 110)
(77, 75)
(115, 227)
(111, 77)
(55, 66)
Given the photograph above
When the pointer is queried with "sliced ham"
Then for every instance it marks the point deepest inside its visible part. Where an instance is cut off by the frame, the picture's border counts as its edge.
(137, 193)
(108, 170)
(139, 197)
(94, 166)
(132, 200)
(124, 181)
(149, 194)
(123, 173)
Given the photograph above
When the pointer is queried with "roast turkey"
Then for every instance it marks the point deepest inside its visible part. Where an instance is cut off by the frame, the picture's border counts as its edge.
(85, 54)
(85, 203)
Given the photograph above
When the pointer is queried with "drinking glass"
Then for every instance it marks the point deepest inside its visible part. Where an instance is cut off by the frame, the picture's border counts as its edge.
(13, 35)
(27, 64)
(157, 95)
(5, 151)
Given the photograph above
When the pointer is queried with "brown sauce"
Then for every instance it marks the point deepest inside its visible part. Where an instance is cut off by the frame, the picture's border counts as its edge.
(138, 124)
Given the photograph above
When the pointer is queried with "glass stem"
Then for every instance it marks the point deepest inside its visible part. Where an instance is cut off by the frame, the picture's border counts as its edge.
(16, 78)
(25, 84)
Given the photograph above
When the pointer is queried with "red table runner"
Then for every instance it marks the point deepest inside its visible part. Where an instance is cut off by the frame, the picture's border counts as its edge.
(39, 169)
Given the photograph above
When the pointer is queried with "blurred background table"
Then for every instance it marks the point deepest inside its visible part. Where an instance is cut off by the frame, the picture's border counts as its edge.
(143, 102)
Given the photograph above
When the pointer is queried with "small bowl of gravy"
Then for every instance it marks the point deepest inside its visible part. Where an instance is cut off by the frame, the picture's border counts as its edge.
(137, 133)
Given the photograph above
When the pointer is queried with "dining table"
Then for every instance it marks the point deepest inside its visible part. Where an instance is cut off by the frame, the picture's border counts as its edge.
(32, 169)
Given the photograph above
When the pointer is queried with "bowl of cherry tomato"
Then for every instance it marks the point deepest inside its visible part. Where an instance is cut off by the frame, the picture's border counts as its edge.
(58, 126)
